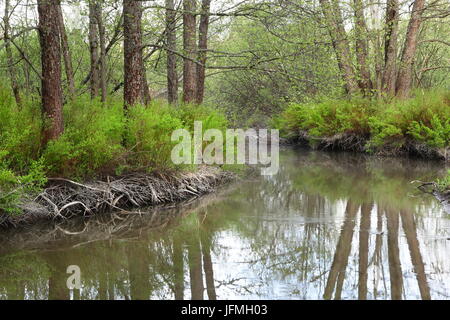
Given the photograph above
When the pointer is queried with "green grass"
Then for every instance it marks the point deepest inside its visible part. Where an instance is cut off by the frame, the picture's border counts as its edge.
(425, 118)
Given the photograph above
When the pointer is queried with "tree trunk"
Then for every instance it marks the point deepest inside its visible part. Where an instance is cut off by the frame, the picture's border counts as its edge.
(93, 47)
(395, 267)
(189, 44)
(195, 268)
(202, 47)
(208, 267)
(410, 230)
(404, 79)
(390, 47)
(365, 82)
(342, 253)
(172, 74)
(102, 66)
(66, 53)
(333, 19)
(51, 69)
(178, 268)
(133, 62)
(9, 57)
(364, 232)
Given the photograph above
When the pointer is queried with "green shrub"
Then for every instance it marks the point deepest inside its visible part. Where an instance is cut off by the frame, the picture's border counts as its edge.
(97, 140)
(327, 118)
(14, 188)
(444, 183)
(149, 136)
(424, 118)
(20, 132)
(92, 139)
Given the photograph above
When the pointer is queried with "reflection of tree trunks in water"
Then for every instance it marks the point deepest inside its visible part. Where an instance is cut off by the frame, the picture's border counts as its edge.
(17, 292)
(102, 285)
(76, 294)
(57, 283)
(409, 227)
(364, 229)
(178, 268)
(207, 265)
(378, 246)
(195, 267)
(340, 261)
(138, 269)
(395, 268)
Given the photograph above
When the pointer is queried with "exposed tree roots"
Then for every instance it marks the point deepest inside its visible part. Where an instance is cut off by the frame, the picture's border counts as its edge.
(118, 224)
(65, 198)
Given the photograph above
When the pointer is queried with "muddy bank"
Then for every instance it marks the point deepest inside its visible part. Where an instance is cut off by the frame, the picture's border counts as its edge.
(356, 143)
(64, 199)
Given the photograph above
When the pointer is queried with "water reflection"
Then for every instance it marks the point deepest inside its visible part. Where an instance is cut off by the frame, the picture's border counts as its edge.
(327, 226)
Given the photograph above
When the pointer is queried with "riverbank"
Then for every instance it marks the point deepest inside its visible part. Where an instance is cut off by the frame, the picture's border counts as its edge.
(419, 126)
(64, 198)
(100, 140)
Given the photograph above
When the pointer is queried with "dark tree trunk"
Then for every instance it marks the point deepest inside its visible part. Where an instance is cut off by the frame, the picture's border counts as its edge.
(333, 19)
(365, 82)
(172, 74)
(9, 56)
(395, 267)
(102, 66)
(178, 268)
(133, 62)
(190, 52)
(66, 54)
(390, 47)
(93, 47)
(341, 255)
(205, 239)
(404, 79)
(410, 230)
(364, 232)
(51, 69)
(202, 47)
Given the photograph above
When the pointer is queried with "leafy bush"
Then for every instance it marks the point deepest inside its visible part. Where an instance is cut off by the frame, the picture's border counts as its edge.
(424, 118)
(98, 139)
(327, 118)
(444, 183)
(14, 188)
(149, 135)
(91, 140)
(20, 132)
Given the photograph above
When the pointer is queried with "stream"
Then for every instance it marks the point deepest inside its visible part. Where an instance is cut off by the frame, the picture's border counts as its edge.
(326, 226)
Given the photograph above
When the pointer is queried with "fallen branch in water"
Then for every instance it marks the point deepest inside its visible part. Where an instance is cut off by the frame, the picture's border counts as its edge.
(442, 195)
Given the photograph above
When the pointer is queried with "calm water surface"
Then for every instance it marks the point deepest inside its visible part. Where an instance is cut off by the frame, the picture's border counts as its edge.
(328, 225)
